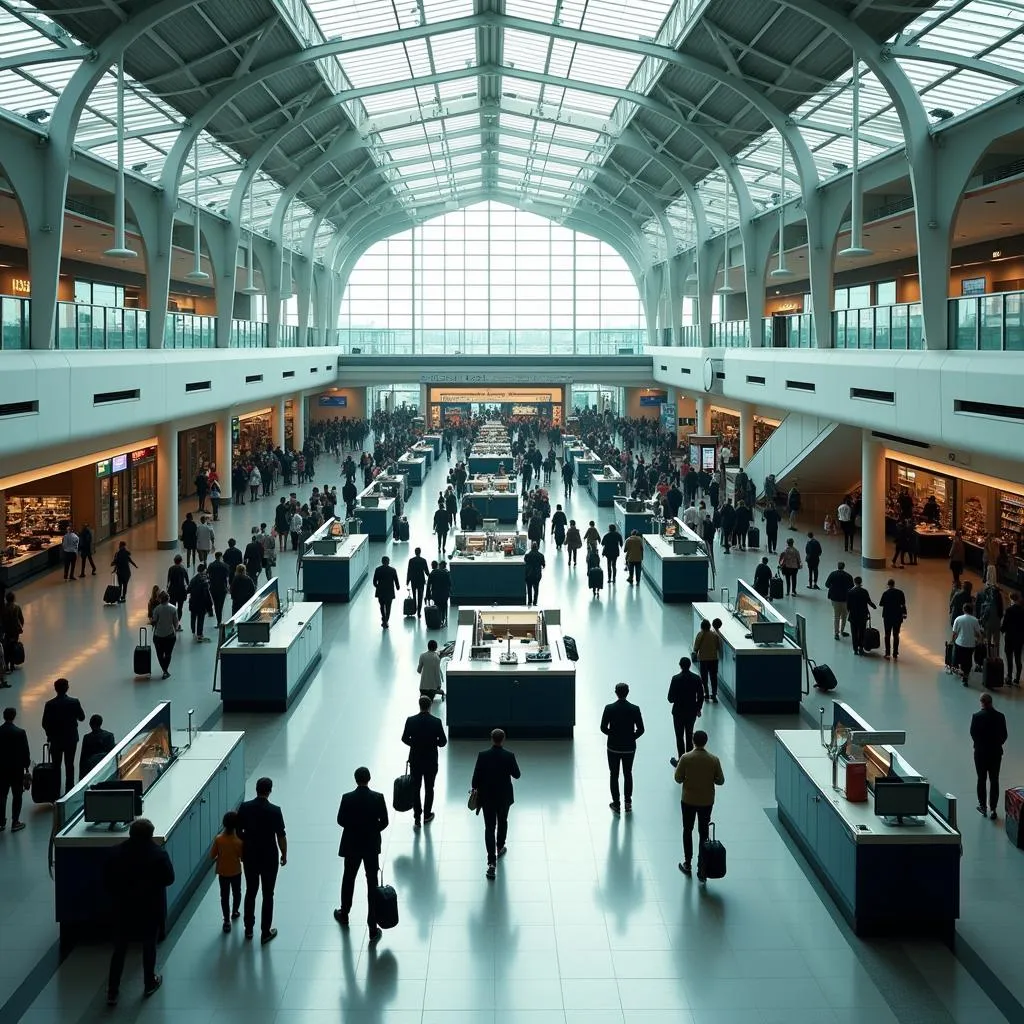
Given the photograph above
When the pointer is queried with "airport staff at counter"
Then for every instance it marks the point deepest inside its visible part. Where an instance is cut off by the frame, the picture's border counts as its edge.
(676, 562)
(183, 781)
(760, 666)
(267, 650)
(511, 665)
(881, 840)
(334, 563)
(487, 568)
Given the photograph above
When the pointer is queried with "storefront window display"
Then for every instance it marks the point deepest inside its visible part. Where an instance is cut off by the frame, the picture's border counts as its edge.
(763, 429)
(35, 522)
(254, 434)
(926, 499)
(727, 426)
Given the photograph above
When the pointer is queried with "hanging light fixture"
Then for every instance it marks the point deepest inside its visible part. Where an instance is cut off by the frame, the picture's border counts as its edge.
(250, 282)
(726, 288)
(119, 250)
(856, 248)
(782, 271)
(196, 274)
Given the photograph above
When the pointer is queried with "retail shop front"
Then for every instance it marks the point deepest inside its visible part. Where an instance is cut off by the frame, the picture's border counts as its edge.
(450, 404)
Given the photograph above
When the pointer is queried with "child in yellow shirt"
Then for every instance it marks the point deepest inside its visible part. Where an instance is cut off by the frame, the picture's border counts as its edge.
(227, 853)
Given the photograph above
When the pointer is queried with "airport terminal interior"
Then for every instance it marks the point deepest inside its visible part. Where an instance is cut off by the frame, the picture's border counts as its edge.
(601, 257)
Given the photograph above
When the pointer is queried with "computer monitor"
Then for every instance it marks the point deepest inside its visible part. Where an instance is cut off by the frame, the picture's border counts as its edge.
(901, 798)
(324, 547)
(767, 632)
(254, 632)
(109, 806)
(135, 785)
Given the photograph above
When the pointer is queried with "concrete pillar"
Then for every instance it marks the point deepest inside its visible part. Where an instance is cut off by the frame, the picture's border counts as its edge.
(277, 423)
(424, 398)
(298, 420)
(703, 416)
(167, 487)
(224, 460)
(746, 434)
(872, 540)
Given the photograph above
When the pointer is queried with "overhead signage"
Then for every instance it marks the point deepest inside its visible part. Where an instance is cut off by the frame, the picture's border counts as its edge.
(103, 468)
(497, 377)
(119, 463)
(21, 286)
(492, 396)
(653, 399)
(337, 401)
(141, 454)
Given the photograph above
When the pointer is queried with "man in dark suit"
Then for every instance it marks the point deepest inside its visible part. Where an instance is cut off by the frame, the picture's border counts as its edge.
(261, 829)
(894, 610)
(137, 875)
(623, 724)
(686, 695)
(385, 587)
(416, 578)
(988, 731)
(424, 736)
(858, 601)
(15, 760)
(362, 815)
(439, 588)
(492, 779)
(61, 715)
(96, 744)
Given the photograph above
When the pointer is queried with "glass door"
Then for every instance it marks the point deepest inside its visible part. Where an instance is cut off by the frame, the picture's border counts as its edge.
(118, 503)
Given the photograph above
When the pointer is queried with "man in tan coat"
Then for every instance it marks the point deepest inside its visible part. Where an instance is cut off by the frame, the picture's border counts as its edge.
(634, 548)
(698, 772)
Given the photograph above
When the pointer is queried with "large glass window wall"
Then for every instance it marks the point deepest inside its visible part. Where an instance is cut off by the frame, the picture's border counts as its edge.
(492, 279)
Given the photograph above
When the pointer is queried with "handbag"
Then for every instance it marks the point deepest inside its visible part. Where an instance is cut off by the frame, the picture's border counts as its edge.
(26, 780)
(473, 803)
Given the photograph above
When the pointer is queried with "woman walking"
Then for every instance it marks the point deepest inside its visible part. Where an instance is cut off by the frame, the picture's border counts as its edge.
(790, 564)
(165, 628)
(123, 564)
(573, 542)
(200, 603)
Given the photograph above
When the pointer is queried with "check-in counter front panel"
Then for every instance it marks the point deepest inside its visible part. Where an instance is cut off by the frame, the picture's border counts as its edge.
(336, 576)
(675, 575)
(481, 571)
(629, 520)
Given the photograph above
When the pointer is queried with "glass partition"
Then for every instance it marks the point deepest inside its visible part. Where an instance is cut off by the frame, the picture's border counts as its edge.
(879, 327)
(987, 323)
(83, 326)
(14, 323)
(263, 606)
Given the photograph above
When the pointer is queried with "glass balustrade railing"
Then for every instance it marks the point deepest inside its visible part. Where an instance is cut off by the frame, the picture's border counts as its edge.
(730, 334)
(80, 326)
(14, 323)
(248, 334)
(987, 323)
(494, 342)
(879, 327)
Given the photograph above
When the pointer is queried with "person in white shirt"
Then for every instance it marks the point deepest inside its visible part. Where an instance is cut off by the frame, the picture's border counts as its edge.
(429, 669)
(204, 539)
(691, 516)
(69, 551)
(845, 516)
(967, 634)
(296, 530)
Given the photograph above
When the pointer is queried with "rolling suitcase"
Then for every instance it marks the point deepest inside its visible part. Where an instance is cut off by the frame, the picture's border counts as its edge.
(45, 780)
(432, 616)
(403, 530)
(395, 528)
(571, 650)
(112, 592)
(15, 652)
(712, 855)
(824, 677)
(992, 670)
(142, 661)
(409, 606)
(595, 578)
(777, 587)
(403, 794)
(385, 907)
(872, 639)
(980, 654)
(753, 537)
(949, 657)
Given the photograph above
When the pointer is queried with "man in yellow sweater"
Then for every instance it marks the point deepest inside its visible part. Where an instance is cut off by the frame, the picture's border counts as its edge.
(698, 772)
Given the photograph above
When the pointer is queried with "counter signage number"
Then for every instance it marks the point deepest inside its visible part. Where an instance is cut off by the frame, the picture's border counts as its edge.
(21, 286)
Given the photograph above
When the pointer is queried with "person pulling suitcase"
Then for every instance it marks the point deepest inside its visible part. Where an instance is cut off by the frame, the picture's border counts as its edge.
(698, 772)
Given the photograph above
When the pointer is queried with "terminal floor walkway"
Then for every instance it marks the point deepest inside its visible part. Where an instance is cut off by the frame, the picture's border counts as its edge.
(589, 919)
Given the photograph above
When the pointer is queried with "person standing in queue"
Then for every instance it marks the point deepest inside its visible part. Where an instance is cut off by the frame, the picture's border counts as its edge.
(698, 772)
(893, 603)
(858, 601)
(623, 724)
(264, 851)
(15, 762)
(493, 773)
(385, 587)
(363, 816)
(424, 736)
(416, 573)
(137, 875)
(535, 563)
(686, 695)
(439, 588)
(707, 646)
(988, 731)
(61, 715)
(1012, 628)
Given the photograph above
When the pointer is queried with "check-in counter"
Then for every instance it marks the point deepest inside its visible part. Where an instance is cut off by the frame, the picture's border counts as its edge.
(509, 669)
(676, 563)
(632, 514)
(267, 674)
(887, 875)
(605, 485)
(490, 460)
(436, 442)
(487, 568)
(376, 512)
(334, 563)
(495, 497)
(415, 465)
(422, 449)
(186, 790)
(573, 451)
(585, 465)
(396, 484)
(756, 677)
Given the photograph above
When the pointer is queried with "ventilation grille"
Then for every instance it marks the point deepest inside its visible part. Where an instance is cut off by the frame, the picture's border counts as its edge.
(684, 369)
(756, 380)
(18, 409)
(996, 412)
(313, 369)
(800, 385)
(256, 378)
(867, 395)
(199, 385)
(664, 367)
(900, 440)
(109, 397)
(719, 375)
(287, 373)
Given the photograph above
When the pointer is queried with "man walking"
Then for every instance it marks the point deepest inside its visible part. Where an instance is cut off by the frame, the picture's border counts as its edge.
(385, 587)
(686, 695)
(988, 731)
(894, 610)
(1012, 628)
(837, 587)
(137, 873)
(812, 558)
(265, 849)
(204, 539)
(424, 736)
(966, 636)
(634, 551)
(416, 578)
(15, 761)
(623, 724)
(858, 601)
(439, 588)
(86, 547)
(362, 815)
(61, 715)
(845, 516)
(698, 772)
(493, 773)
(69, 552)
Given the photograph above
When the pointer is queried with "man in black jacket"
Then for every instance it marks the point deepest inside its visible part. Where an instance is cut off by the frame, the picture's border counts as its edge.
(424, 736)
(96, 744)
(218, 575)
(534, 563)
(727, 522)
(137, 875)
(858, 601)
(362, 815)
(1012, 628)
(493, 773)
(348, 494)
(837, 586)
(686, 695)
(623, 724)
(439, 588)
(893, 603)
(812, 558)
(15, 760)
(385, 587)
(763, 578)
(416, 578)
(988, 731)
(61, 715)
(469, 516)
(261, 829)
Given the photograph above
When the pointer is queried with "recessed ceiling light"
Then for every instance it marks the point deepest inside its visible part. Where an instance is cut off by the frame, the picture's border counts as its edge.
(897, 250)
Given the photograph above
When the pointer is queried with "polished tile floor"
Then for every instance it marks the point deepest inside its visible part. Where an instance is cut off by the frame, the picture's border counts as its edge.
(589, 919)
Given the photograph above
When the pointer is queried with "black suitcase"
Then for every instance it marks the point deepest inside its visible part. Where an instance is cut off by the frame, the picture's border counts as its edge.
(753, 537)
(595, 578)
(404, 792)
(992, 671)
(824, 677)
(142, 660)
(777, 587)
(872, 639)
(409, 606)
(111, 593)
(385, 908)
(571, 650)
(712, 855)
(403, 529)
(949, 657)
(432, 616)
(15, 652)
(395, 528)
(45, 780)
